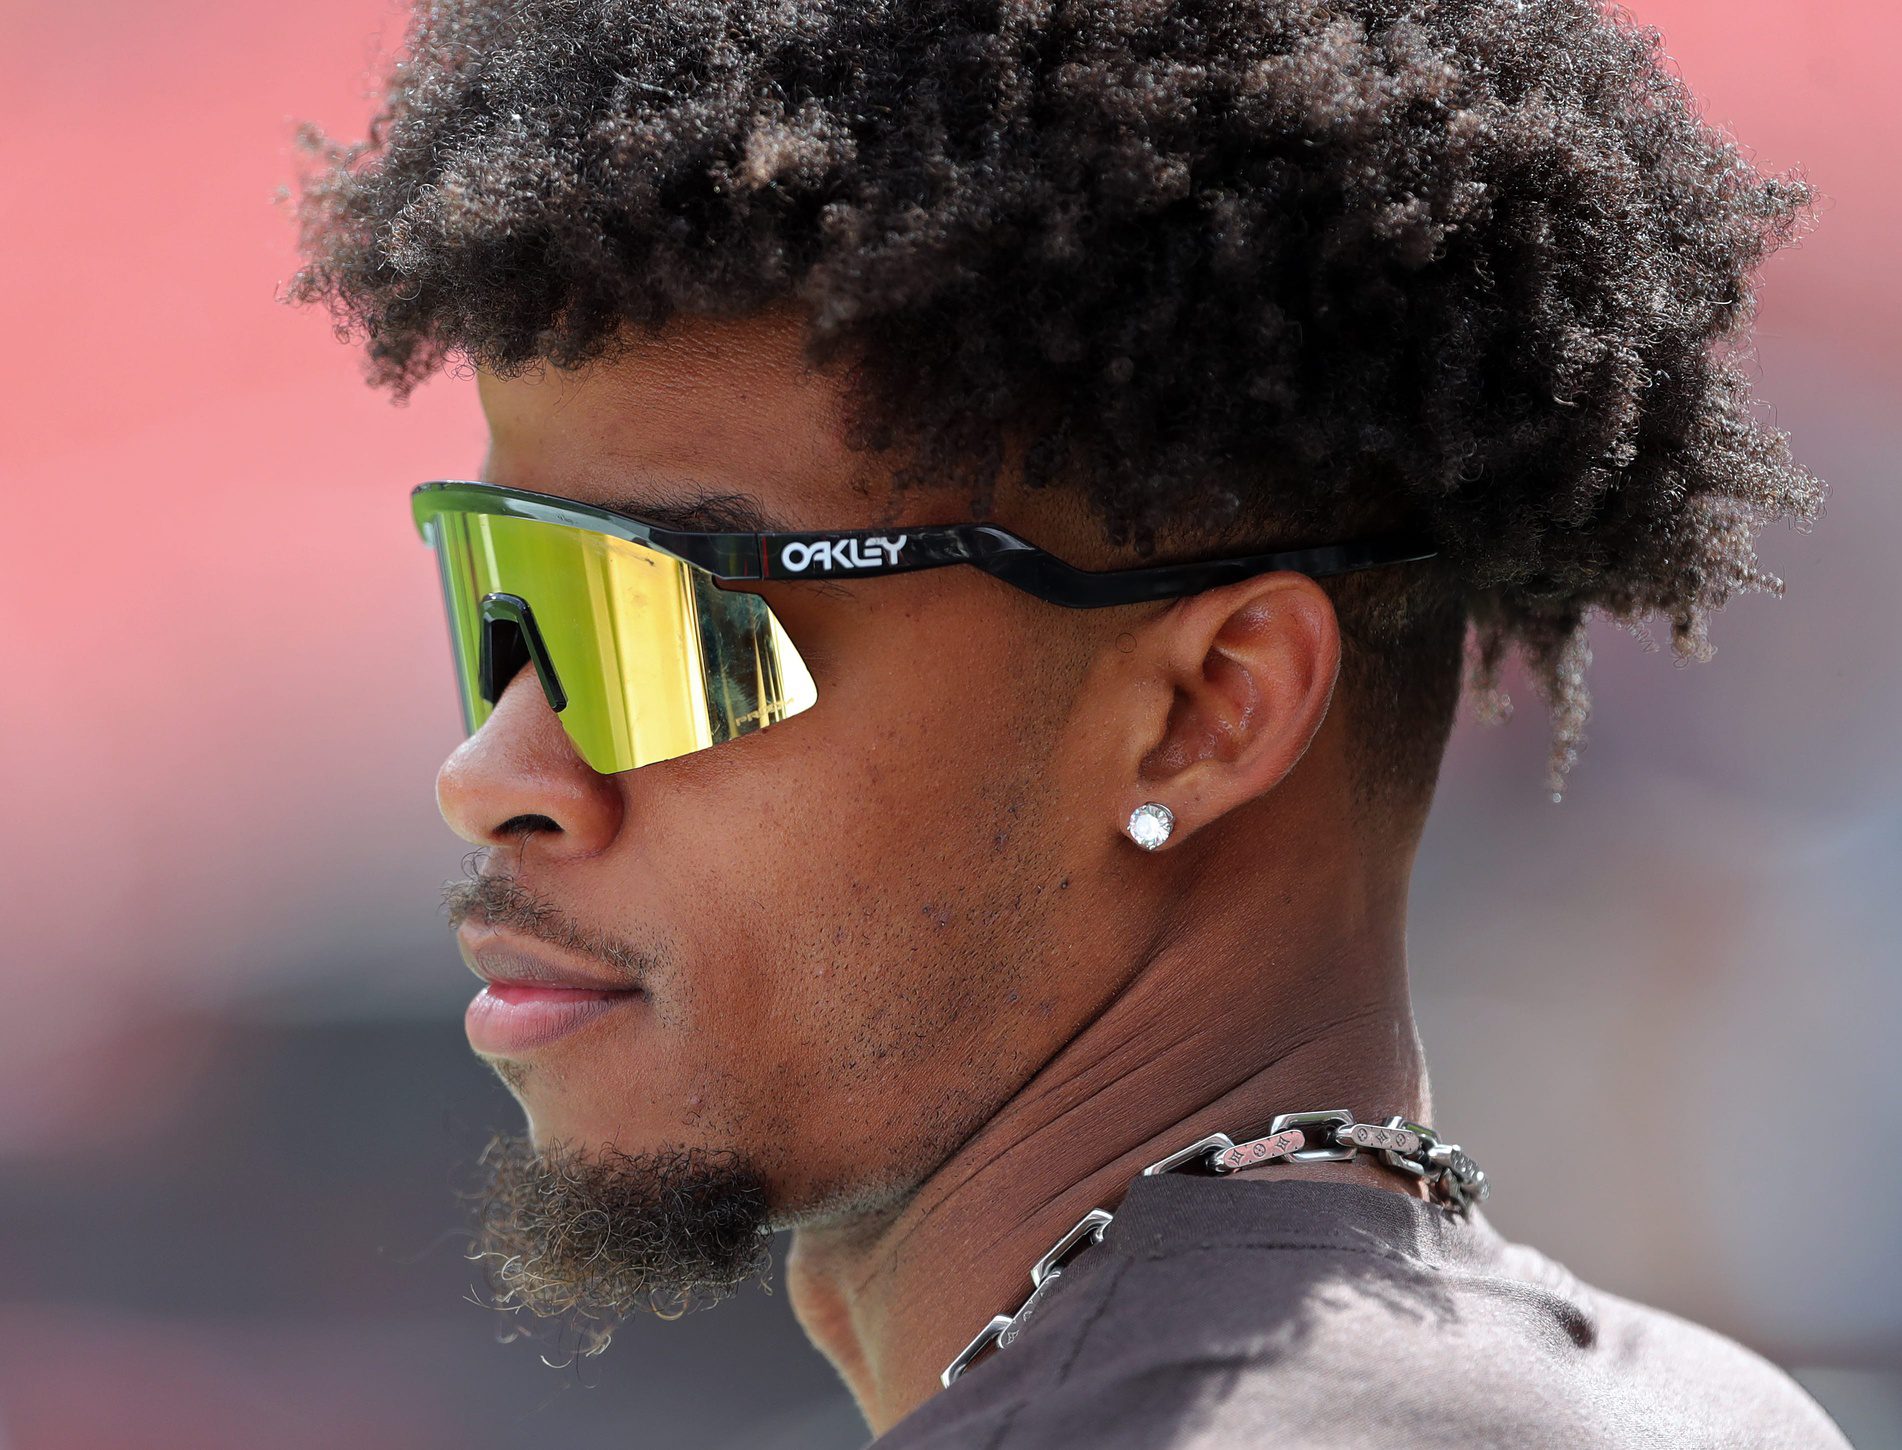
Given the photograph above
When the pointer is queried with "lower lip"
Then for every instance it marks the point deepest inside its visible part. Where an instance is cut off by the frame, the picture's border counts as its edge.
(506, 1019)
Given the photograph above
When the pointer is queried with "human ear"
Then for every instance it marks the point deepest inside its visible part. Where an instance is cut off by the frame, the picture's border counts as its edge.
(1229, 689)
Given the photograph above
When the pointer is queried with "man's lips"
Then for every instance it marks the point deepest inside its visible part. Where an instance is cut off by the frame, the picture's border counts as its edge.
(532, 998)
(514, 992)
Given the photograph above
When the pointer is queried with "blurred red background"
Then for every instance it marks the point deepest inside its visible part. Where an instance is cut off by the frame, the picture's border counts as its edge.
(233, 1091)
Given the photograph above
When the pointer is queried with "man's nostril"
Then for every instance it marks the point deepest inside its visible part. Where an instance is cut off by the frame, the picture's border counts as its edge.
(527, 825)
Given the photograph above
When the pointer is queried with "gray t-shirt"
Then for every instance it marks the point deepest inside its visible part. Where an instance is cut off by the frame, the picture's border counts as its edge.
(1248, 1312)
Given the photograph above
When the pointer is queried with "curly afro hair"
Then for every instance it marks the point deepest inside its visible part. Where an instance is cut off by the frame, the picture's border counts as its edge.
(1261, 271)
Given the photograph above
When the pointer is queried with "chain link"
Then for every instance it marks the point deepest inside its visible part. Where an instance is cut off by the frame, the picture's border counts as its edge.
(1329, 1136)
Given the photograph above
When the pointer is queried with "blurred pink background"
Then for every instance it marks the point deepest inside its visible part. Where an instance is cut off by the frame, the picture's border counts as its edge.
(234, 1093)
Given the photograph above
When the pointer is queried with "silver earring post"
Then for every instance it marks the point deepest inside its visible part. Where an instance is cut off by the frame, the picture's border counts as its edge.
(1149, 825)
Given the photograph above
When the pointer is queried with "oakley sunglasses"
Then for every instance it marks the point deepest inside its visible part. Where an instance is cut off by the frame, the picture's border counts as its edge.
(645, 655)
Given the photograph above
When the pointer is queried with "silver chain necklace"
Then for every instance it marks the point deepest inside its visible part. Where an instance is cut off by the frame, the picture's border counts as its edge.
(1330, 1136)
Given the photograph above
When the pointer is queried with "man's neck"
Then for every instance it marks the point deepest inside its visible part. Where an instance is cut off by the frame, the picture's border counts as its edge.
(1200, 1042)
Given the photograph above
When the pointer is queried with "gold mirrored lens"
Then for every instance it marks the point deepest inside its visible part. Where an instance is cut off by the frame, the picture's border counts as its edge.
(655, 659)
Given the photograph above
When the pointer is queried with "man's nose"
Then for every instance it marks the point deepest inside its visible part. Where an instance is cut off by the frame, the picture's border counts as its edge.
(520, 774)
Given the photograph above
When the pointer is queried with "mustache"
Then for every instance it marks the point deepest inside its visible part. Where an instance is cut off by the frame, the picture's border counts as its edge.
(494, 897)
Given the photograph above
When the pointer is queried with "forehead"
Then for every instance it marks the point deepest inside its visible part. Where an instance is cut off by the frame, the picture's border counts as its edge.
(710, 413)
(706, 408)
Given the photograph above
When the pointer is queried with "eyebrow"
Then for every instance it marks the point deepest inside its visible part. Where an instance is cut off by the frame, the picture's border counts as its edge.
(716, 513)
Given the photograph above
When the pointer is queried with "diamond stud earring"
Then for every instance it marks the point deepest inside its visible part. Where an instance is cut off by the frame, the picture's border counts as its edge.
(1150, 825)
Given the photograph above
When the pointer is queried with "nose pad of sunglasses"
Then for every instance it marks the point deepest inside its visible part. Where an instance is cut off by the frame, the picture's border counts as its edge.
(511, 639)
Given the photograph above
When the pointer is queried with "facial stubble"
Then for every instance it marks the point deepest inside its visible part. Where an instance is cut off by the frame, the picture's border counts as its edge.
(593, 1236)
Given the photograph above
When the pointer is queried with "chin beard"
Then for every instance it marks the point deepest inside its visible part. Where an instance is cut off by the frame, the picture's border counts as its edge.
(597, 1236)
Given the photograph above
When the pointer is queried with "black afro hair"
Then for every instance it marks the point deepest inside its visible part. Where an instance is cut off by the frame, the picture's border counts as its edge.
(1261, 271)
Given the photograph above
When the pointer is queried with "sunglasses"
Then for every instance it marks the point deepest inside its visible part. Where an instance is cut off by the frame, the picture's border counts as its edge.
(645, 655)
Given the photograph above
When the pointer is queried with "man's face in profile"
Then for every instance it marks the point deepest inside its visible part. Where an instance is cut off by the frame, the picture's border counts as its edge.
(857, 932)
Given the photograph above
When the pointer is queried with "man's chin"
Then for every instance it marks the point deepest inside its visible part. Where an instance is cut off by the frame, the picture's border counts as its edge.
(593, 1234)
(514, 1075)
(566, 1112)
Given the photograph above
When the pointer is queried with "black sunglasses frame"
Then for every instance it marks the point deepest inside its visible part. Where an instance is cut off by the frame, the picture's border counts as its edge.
(868, 553)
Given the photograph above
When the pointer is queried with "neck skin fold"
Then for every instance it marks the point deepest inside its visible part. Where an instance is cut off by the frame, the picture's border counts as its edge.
(1217, 1031)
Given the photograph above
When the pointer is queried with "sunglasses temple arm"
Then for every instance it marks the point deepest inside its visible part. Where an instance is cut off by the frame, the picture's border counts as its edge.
(1052, 580)
(865, 553)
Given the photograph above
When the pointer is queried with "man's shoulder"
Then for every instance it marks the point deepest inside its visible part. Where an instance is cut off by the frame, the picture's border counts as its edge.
(1329, 1334)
